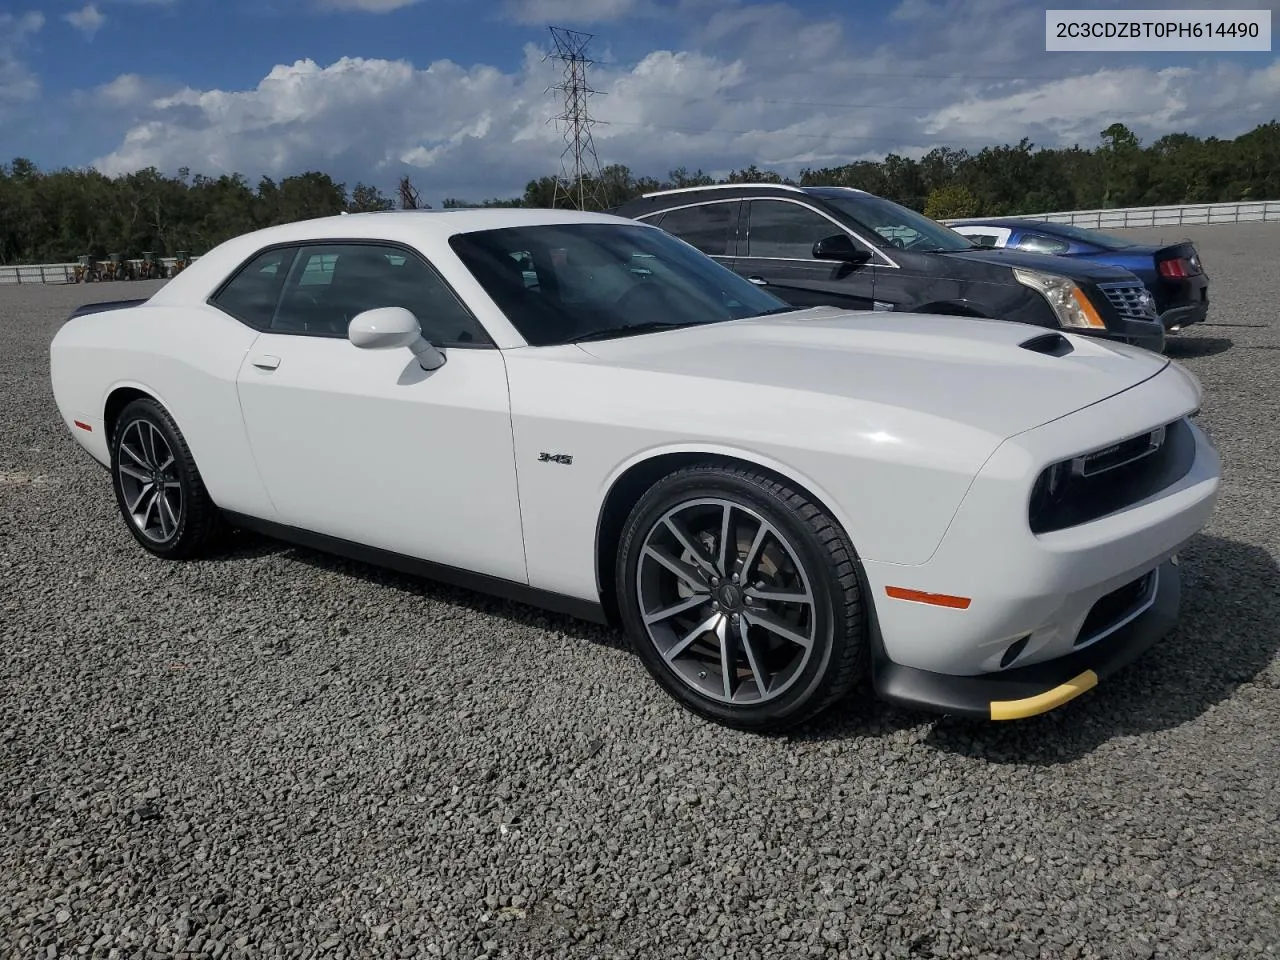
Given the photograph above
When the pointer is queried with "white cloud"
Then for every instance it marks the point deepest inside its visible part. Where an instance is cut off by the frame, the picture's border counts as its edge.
(125, 90)
(88, 20)
(555, 12)
(17, 83)
(20, 27)
(730, 94)
(1071, 108)
(367, 6)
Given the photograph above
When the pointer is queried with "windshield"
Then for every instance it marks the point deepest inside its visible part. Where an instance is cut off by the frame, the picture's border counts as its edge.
(1095, 237)
(562, 282)
(899, 225)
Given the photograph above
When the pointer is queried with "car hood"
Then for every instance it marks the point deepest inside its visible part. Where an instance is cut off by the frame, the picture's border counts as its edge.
(1066, 266)
(970, 371)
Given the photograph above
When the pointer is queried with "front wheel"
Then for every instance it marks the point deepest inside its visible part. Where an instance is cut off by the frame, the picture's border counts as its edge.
(159, 489)
(741, 598)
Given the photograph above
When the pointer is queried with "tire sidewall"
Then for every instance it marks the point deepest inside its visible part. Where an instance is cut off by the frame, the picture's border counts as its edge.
(148, 411)
(818, 569)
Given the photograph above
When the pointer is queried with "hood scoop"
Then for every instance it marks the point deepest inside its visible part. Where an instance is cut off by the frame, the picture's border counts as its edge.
(1050, 344)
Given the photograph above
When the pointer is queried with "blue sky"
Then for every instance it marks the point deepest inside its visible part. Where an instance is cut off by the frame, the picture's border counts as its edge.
(454, 91)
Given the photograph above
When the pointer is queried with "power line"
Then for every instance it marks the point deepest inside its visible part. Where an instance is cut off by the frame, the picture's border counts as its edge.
(571, 51)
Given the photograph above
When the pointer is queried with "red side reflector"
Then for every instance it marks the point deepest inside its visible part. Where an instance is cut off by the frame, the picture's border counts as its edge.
(936, 599)
(82, 425)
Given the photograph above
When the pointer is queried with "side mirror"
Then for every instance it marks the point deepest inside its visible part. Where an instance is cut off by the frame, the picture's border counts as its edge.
(839, 247)
(388, 328)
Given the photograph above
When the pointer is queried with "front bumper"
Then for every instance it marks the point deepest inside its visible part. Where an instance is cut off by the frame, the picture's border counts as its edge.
(1026, 604)
(1177, 318)
(1148, 334)
(1040, 687)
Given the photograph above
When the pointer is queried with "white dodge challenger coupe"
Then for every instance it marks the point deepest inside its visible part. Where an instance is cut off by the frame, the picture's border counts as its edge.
(584, 413)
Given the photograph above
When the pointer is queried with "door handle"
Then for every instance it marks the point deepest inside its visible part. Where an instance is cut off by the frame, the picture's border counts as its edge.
(759, 281)
(265, 361)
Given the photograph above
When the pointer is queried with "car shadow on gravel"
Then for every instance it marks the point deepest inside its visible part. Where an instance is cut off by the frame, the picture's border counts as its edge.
(246, 545)
(1227, 637)
(1180, 348)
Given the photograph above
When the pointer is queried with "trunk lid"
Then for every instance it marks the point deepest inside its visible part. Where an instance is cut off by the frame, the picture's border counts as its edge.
(1071, 267)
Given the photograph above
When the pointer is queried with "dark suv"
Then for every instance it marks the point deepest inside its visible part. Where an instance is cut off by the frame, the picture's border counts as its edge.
(816, 246)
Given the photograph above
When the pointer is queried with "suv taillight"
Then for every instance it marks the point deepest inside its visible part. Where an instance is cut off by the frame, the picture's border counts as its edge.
(1179, 268)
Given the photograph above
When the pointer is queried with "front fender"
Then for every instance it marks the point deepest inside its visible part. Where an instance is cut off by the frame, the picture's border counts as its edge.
(731, 452)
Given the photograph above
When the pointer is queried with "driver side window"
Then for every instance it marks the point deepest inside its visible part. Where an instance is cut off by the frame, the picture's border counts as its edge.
(330, 284)
(783, 230)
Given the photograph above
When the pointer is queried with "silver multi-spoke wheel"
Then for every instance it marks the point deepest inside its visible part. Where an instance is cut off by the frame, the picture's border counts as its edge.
(726, 601)
(147, 470)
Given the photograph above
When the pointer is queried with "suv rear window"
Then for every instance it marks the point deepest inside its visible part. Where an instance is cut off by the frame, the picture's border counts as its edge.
(710, 226)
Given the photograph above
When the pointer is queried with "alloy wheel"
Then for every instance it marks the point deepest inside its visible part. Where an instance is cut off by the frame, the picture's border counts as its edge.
(149, 481)
(726, 601)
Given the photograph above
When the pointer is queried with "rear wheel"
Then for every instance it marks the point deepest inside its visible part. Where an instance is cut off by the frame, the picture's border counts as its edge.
(158, 488)
(741, 597)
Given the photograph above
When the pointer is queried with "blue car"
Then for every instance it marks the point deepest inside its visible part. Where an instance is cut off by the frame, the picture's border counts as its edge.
(1172, 273)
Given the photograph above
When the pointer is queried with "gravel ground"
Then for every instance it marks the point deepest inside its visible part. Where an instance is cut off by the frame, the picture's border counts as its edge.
(279, 754)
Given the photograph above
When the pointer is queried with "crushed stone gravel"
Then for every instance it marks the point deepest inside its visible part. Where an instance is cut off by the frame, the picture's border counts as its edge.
(279, 754)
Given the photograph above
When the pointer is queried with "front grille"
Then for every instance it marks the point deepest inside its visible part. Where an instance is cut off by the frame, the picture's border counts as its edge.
(1094, 484)
(1119, 454)
(1117, 608)
(1132, 300)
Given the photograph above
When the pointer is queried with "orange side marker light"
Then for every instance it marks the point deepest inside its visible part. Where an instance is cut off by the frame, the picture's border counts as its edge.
(936, 599)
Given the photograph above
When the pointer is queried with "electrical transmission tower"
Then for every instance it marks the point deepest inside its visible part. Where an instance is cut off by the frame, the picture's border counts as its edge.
(579, 181)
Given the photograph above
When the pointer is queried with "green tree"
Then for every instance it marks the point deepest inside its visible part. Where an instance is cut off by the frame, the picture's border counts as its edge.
(953, 201)
(1124, 166)
(753, 174)
(367, 199)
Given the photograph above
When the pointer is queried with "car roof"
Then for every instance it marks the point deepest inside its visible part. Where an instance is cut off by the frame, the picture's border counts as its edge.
(678, 196)
(420, 229)
(441, 224)
(1003, 222)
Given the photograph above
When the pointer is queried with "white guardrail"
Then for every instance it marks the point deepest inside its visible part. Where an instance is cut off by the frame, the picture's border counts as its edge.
(64, 272)
(1170, 216)
(1120, 217)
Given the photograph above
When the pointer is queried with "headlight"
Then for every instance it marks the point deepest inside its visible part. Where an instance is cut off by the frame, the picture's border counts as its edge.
(1047, 488)
(1068, 301)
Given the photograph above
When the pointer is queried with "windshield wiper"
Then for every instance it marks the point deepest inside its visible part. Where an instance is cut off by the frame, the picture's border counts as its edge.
(648, 326)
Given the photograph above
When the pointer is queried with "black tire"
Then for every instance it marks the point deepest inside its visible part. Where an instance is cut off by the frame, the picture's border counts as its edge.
(198, 524)
(839, 648)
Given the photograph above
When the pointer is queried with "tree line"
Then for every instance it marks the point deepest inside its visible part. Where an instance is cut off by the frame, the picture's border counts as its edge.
(57, 216)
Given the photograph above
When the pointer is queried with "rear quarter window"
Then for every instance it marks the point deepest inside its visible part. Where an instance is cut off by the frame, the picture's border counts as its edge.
(251, 295)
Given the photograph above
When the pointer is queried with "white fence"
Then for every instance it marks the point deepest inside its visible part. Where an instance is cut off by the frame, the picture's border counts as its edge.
(61, 272)
(38, 273)
(1172, 216)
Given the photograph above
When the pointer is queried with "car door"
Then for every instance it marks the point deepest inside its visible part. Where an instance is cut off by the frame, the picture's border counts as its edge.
(777, 251)
(365, 445)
